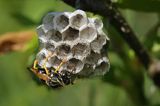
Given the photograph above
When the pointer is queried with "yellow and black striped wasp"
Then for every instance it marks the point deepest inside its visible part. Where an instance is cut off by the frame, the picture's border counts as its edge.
(53, 77)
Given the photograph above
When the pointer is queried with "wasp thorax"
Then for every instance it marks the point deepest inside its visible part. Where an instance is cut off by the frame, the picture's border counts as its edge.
(75, 38)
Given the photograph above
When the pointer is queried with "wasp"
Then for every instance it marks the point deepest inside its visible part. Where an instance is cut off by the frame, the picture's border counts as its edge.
(53, 77)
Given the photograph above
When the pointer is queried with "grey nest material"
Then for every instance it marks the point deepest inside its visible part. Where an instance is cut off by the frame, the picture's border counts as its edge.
(79, 39)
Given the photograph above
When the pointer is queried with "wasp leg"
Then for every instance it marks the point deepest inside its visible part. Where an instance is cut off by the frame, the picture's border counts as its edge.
(39, 75)
(63, 61)
(45, 68)
(73, 78)
(45, 61)
(35, 64)
(61, 83)
(61, 80)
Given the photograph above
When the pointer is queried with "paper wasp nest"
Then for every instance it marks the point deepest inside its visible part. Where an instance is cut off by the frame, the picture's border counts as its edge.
(74, 37)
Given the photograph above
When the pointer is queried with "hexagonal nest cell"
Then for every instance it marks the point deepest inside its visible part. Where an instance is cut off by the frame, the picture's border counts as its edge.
(80, 50)
(48, 21)
(74, 65)
(42, 42)
(61, 22)
(63, 50)
(88, 34)
(50, 46)
(54, 61)
(93, 58)
(71, 34)
(41, 56)
(40, 31)
(56, 36)
(87, 71)
(49, 34)
(102, 67)
(98, 43)
(78, 20)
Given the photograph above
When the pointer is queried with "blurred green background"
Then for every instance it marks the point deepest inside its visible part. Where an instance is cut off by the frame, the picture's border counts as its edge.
(127, 83)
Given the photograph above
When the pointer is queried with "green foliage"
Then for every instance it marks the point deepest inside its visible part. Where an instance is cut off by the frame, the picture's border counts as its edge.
(140, 5)
(125, 85)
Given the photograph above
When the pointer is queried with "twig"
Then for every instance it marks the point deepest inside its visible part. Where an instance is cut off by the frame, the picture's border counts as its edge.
(109, 10)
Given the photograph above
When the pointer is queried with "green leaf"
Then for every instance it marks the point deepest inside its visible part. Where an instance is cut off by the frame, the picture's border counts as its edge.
(152, 36)
(140, 5)
(23, 20)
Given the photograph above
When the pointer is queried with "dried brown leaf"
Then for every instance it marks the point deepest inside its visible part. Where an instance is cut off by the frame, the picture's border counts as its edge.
(14, 41)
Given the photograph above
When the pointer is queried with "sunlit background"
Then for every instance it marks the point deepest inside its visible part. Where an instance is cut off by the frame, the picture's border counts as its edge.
(127, 83)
